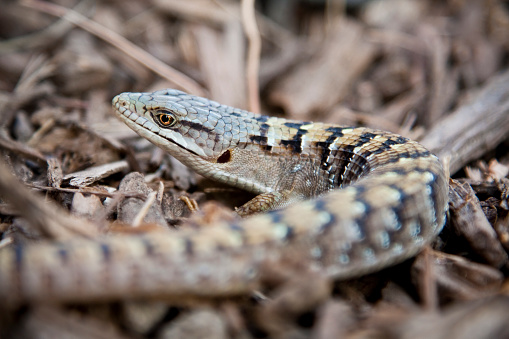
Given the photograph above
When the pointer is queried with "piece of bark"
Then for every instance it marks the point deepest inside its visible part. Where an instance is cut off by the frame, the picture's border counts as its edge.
(475, 51)
(96, 173)
(496, 171)
(73, 143)
(292, 51)
(45, 216)
(43, 37)
(202, 11)
(197, 324)
(335, 318)
(81, 65)
(456, 277)
(394, 15)
(22, 149)
(181, 175)
(55, 173)
(175, 208)
(88, 207)
(475, 127)
(344, 116)
(502, 229)
(468, 221)
(326, 79)
(443, 85)
(53, 322)
(221, 55)
(400, 107)
(479, 319)
(142, 316)
(22, 127)
(129, 208)
(300, 294)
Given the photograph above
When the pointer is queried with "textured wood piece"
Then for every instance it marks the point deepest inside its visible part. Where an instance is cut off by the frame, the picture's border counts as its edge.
(83, 66)
(458, 278)
(54, 322)
(96, 173)
(202, 11)
(142, 316)
(480, 319)
(468, 220)
(87, 206)
(55, 173)
(221, 56)
(473, 128)
(335, 318)
(326, 78)
(197, 324)
(22, 149)
(296, 297)
(46, 217)
(129, 208)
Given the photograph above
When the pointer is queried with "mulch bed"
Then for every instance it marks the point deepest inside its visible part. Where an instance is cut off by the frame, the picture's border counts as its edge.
(433, 71)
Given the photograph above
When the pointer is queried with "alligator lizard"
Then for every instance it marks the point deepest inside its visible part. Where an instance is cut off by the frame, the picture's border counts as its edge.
(344, 201)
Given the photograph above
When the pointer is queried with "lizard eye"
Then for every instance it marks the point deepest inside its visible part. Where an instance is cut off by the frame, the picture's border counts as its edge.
(165, 119)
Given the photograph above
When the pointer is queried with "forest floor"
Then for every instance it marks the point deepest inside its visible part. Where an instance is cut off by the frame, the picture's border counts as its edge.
(432, 71)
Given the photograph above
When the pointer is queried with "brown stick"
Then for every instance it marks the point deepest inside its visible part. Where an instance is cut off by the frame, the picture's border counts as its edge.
(473, 128)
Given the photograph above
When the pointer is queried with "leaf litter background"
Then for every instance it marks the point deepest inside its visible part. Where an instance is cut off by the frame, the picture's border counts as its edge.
(434, 71)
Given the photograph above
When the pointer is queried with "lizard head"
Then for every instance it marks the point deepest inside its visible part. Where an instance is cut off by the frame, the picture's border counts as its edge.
(186, 126)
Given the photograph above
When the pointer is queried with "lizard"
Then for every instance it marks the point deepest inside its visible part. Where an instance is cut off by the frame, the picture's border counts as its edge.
(346, 201)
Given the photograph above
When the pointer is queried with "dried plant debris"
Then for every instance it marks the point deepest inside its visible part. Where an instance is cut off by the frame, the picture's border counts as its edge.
(434, 71)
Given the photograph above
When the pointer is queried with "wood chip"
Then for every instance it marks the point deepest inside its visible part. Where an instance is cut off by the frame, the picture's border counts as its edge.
(325, 79)
(94, 174)
(458, 278)
(468, 220)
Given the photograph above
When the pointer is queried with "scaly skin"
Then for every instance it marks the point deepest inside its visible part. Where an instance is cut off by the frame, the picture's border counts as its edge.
(343, 201)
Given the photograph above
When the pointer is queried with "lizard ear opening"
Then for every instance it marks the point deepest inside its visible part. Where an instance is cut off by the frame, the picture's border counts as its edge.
(225, 157)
